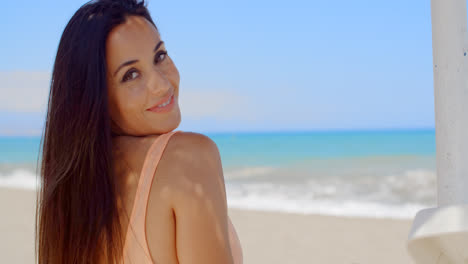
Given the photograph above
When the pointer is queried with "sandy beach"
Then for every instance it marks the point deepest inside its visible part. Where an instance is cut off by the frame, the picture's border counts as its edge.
(266, 237)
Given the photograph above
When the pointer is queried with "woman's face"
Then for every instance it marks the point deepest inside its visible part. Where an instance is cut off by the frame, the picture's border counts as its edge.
(140, 75)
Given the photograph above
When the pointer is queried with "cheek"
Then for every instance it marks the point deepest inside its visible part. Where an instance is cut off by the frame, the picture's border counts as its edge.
(128, 103)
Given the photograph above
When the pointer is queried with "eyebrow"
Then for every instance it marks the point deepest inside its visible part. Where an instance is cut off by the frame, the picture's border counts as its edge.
(133, 61)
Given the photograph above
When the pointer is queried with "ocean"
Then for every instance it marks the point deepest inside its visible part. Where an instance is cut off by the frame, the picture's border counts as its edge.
(377, 174)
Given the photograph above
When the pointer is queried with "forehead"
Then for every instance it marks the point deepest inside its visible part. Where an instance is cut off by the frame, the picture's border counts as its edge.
(128, 39)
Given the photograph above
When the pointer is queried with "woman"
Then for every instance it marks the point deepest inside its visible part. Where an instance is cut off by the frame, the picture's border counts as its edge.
(118, 183)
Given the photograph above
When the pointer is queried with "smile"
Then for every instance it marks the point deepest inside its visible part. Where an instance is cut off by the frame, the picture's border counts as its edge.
(163, 107)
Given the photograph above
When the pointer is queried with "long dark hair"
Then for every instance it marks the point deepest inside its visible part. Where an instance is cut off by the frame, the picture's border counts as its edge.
(77, 216)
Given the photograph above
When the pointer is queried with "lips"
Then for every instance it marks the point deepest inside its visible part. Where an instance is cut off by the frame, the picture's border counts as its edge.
(161, 101)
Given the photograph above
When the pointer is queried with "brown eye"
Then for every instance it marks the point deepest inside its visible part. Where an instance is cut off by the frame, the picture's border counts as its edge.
(128, 74)
(160, 56)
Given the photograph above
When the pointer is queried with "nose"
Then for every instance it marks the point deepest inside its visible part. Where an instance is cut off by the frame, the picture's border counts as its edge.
(158, 84)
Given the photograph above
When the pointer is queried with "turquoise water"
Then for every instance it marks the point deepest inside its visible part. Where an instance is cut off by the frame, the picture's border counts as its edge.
(274, 148)
(256, 149)
(363, 173)
(19, 149)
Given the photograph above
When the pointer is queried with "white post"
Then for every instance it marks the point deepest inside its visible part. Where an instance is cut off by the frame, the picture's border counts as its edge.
(440, 235)
(449, 31)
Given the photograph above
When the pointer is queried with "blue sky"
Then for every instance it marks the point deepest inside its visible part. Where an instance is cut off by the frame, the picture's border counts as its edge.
(252, 65)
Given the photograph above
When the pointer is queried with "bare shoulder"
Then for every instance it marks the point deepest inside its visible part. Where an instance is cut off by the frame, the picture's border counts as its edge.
(189, 145)
(199, 200)
(189, 159)
(193, 156)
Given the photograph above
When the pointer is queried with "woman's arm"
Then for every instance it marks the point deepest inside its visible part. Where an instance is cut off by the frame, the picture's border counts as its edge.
(200, 207)
(236, 247)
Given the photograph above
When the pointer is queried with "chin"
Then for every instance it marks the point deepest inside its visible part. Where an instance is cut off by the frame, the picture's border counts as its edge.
(168, 126)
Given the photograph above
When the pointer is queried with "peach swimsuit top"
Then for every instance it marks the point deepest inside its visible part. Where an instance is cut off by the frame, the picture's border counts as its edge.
(136, 248)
